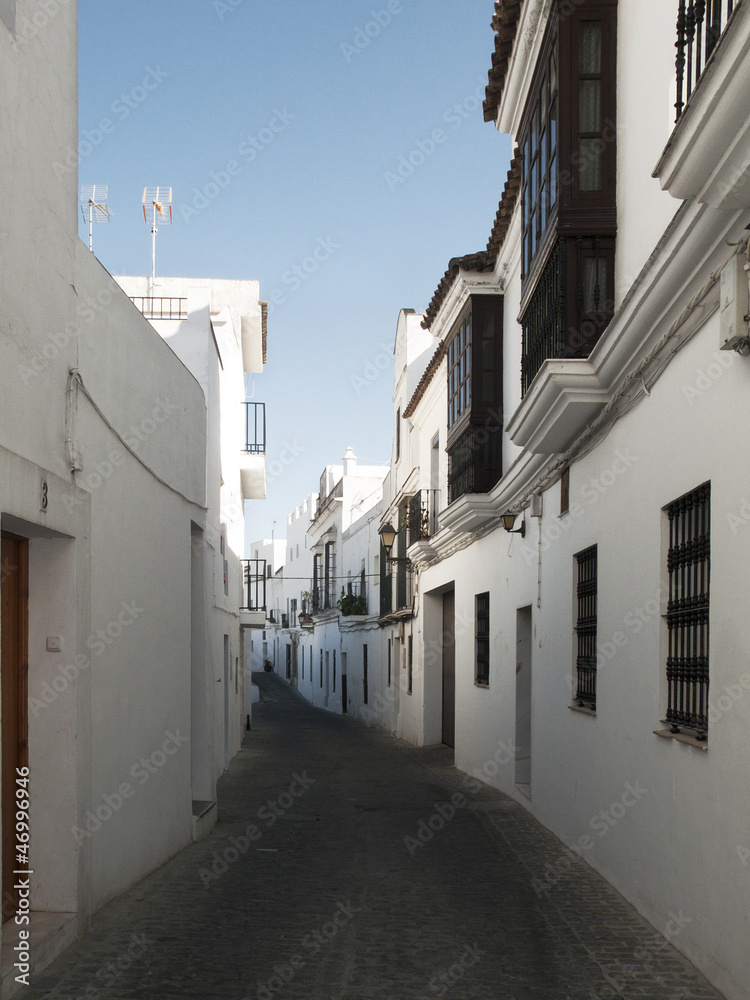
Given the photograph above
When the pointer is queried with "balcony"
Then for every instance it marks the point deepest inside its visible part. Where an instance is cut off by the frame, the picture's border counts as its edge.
(253, 458)
(422, 515)
(708, 154)
(159, 307)
(565, 315)
(353, 600)
(253, 610)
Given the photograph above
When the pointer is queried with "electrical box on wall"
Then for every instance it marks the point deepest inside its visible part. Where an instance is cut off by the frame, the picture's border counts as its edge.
(733, 306)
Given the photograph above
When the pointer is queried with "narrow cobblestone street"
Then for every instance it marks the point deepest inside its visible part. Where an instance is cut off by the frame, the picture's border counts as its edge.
(309, 889)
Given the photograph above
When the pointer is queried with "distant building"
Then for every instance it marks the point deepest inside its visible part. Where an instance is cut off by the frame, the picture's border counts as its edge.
(326, 641)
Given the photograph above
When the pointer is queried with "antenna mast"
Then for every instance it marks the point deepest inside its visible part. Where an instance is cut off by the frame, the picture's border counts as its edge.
(94, 207)
(157, 208)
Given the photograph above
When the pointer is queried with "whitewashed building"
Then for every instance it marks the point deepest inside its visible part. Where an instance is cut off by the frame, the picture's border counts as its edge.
(104, 488)
(589, 377)
(328, 645)
(218, 329)
(288, 595)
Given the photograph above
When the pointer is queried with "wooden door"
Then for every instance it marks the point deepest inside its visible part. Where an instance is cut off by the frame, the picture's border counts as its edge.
(14, 616)
(449, 668)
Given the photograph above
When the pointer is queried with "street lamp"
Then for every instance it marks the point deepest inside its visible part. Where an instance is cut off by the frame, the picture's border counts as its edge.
(388, 536)
(509, 519)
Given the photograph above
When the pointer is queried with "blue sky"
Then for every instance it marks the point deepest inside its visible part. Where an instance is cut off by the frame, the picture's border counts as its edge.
(285, 130)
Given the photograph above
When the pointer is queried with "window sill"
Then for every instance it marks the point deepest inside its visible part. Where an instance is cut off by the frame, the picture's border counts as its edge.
(583, 709)
(482, 684)
(691, 741)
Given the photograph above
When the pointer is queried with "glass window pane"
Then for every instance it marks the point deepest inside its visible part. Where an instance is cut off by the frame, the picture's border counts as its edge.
(590, 106)
(553, 128)
(590, 167)
(594, 283)
(552, 75)
(553, 183)
(590, 47)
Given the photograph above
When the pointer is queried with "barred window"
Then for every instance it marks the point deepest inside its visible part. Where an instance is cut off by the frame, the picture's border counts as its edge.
(586, 628)
(688, 569)
(482, 639)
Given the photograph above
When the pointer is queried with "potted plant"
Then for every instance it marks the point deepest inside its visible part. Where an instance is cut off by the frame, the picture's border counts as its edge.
(352, 604)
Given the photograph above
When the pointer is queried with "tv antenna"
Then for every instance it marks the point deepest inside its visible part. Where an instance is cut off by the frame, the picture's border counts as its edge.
(94, 207)
(157, 209)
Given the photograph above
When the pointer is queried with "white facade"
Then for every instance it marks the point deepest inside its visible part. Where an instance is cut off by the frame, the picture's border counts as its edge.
(102, 476)
(106, 486)
(593, 452)
(216, 329)
(330, 650)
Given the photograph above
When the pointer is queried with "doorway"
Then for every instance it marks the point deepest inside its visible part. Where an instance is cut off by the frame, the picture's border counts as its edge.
(14, 627)
(449, 668)
(523, 700)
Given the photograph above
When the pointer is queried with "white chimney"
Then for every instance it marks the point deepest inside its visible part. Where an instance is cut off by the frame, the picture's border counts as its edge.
(350, 462)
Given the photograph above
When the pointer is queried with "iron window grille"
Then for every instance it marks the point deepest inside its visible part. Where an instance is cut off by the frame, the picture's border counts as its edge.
(482, 639)
(689, 570)
(586, 623)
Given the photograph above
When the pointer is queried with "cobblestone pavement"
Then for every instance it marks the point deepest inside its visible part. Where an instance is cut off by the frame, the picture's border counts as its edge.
(308, 889)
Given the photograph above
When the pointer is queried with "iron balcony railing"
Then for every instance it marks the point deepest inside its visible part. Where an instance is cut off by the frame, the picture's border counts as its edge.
(160, 307)
(353, 599)
(255, 428)
(253, 585)
(422, 515)
(700, 24)
(544, 319)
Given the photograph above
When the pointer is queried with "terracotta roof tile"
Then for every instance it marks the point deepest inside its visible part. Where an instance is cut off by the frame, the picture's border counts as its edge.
(505, 24)
(427, 377)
